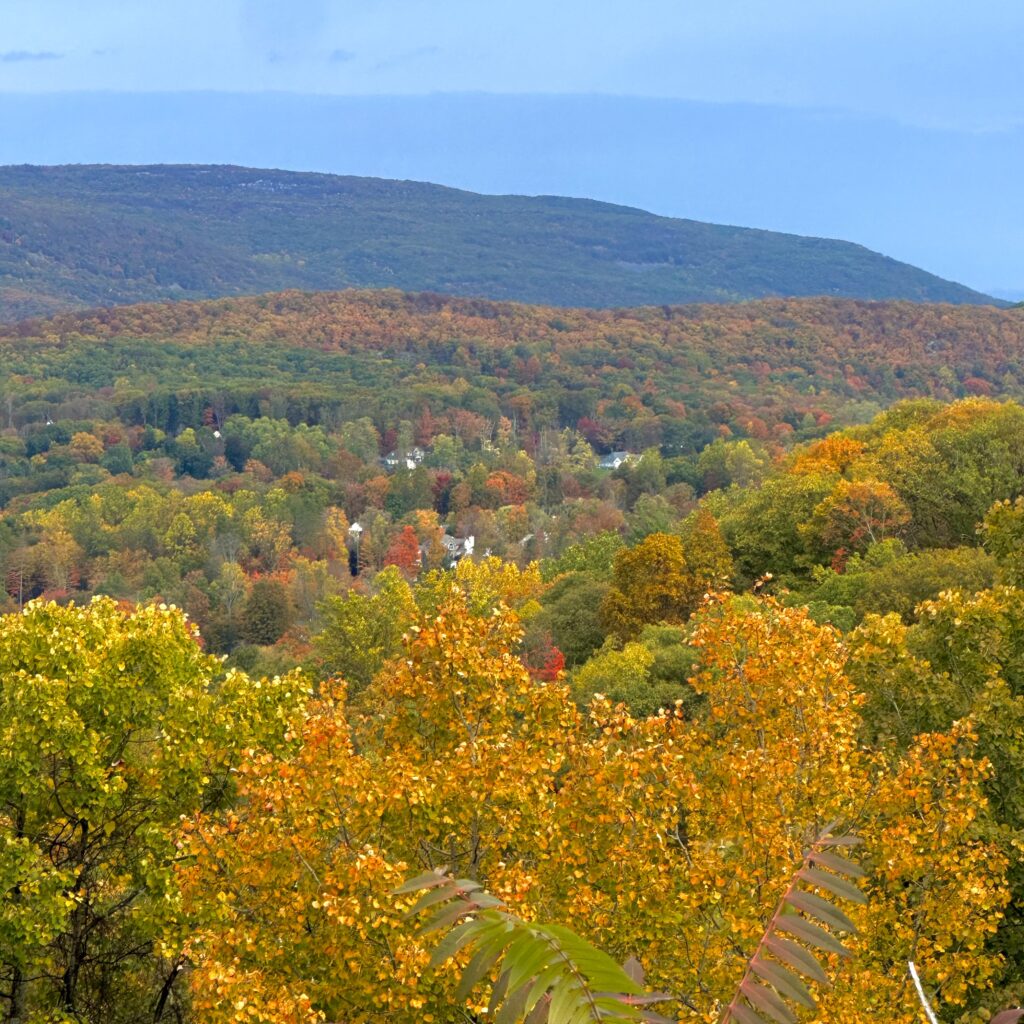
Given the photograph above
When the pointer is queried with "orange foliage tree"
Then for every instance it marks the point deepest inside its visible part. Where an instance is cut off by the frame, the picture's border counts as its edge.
(664, 838)
(856, 514)
(404, 551)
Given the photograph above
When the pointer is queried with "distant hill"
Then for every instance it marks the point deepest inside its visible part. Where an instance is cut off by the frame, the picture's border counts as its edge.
(81, 236)
(777, 370)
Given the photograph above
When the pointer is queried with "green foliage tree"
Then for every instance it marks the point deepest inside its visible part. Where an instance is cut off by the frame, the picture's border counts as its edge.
(652, 513)
(114, 725)
(267, 613)
(622, 674)
(888, 578)
(1002, 532)
(571, 613)
(594, 556)
(645, 674)
(361, 632)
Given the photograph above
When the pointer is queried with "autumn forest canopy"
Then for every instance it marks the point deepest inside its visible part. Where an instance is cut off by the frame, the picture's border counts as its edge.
(688, 638)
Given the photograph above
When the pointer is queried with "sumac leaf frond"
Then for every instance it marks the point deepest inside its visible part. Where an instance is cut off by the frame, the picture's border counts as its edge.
(545, 974)
(772, 989)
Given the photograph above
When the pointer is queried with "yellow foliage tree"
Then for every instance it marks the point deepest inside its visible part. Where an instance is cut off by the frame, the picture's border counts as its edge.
(650, 583)
(665, 838)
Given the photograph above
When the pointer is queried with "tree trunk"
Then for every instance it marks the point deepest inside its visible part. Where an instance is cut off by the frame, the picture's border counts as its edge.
(17, 1011)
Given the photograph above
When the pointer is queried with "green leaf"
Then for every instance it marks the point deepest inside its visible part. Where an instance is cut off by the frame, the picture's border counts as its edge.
(784, 980)
(514, 1007)
(811, 934)
(498, 992)
(820, 908)
(767, 1001)
(744, 1015)
(467, 886)
(542, 985)
(566, 1000)
(454, 941)
(526, 956)
(446, 916)
(429, 898)
(834, 884)
(834, 862)
(600, 969)
(430, 880)
(483, 960)
(797, 957)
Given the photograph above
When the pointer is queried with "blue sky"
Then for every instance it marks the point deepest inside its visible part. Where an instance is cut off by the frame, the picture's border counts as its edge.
(926, 67)
(930, 61)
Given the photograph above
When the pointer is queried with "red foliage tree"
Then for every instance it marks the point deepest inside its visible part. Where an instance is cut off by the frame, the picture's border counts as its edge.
(404, 551)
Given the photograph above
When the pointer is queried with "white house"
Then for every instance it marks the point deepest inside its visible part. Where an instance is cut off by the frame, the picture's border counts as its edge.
(410, 460)
(457, 547)
(615, 459)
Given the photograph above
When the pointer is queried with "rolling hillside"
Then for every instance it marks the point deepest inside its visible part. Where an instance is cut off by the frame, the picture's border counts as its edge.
(778, 370)
(81, 236)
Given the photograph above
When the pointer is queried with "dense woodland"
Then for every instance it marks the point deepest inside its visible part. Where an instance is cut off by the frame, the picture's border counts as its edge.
(80, 236)
(254, 676)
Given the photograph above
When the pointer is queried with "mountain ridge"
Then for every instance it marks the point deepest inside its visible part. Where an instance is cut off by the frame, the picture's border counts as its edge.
(80, 236)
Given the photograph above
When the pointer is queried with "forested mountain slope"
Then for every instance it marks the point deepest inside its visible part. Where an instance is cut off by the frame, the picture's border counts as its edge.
(79, 236)
(673, 377)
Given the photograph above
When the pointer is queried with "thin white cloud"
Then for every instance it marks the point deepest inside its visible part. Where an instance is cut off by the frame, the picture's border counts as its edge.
(20, 56)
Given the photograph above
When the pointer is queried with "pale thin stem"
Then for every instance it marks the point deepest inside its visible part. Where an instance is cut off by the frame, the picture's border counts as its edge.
(929, 1012)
